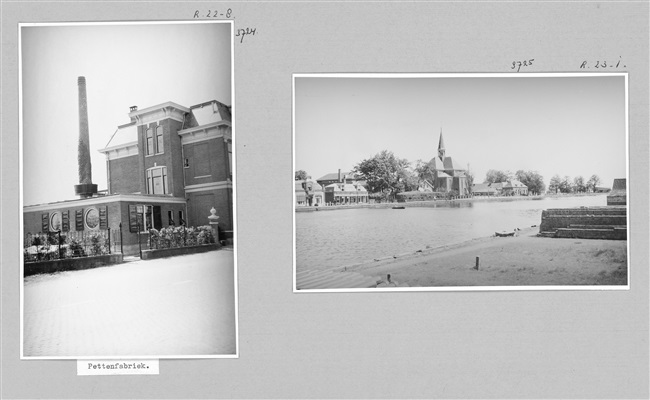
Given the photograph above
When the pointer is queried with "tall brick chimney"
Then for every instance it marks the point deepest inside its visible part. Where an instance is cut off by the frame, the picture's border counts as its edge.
(85, 188)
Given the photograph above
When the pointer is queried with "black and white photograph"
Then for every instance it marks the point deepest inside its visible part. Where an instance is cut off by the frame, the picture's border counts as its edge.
(127, 172)
(468, 219)
(460, 181)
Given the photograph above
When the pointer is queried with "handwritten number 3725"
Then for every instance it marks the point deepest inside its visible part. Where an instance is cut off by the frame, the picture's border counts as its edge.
(525, 63)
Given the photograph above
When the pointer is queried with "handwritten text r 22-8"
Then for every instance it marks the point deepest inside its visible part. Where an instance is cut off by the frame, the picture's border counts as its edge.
(215, 14)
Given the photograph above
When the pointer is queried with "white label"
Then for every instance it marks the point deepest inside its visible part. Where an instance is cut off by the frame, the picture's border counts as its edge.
(117, 367)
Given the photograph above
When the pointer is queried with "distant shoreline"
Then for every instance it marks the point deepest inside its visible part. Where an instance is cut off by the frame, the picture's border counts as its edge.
(426, 203)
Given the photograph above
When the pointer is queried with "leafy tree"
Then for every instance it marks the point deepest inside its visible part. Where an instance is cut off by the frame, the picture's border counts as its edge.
(579, 184)
(301, 175)
(593, 182)
(384, 173)
(408, 180)
(470, 179)
(554, 184)
(495, 176)
(423, 170)
(565, 184)
(532, 179)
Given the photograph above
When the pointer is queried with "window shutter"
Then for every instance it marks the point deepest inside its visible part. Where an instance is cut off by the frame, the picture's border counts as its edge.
(133, 218)
(65, 221)
(45, 222)
(103, 217)
(79, 220)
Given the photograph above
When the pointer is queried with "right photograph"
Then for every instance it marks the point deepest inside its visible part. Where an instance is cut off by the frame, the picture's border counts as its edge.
(445, 182)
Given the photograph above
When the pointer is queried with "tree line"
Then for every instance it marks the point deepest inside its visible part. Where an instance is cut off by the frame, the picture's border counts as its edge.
(386, 175)
(575, 185)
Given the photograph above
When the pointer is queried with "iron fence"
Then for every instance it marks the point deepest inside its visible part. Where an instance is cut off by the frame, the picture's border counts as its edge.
(180, 236)
(58, 245)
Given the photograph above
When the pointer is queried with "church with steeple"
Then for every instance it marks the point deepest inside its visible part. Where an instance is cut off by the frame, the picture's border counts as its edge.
(447, 173)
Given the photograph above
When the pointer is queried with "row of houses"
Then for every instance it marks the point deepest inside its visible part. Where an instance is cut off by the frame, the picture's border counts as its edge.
(510, 188)
(332, 189)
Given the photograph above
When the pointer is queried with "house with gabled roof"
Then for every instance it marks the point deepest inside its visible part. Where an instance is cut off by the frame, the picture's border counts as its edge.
(514, 188)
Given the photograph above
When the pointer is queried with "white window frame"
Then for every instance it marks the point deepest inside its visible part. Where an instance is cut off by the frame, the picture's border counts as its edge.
(149, 151)
(162, 140)
(163, 175)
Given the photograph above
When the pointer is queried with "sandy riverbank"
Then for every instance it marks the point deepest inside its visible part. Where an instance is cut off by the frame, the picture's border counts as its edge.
(509, 261)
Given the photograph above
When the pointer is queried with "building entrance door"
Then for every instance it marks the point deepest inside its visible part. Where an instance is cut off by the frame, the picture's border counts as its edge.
(157, 217)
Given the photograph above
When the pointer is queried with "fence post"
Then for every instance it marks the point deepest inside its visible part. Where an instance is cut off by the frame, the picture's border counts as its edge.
(59, 241)
(121, 248)
(109, 240)
(139, 245)
(38, 251)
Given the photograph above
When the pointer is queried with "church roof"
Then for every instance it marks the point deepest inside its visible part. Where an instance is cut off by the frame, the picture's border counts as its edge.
(453, 164)
(449, 163)
(436, 164)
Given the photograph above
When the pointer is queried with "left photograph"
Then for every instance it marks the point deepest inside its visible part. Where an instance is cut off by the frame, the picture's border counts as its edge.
(128, 190)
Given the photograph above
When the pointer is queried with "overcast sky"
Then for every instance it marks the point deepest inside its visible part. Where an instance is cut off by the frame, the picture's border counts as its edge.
(567, 125)
(124, 65)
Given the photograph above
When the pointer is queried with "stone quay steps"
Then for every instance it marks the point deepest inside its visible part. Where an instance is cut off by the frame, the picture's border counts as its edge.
(583, 218)
(585, 223)
(329, 279)
(612, 233)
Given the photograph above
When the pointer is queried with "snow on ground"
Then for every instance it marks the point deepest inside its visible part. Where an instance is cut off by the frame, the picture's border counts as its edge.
(175, 306)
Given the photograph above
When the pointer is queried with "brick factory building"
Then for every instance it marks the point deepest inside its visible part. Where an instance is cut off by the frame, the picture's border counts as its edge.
(169, 165)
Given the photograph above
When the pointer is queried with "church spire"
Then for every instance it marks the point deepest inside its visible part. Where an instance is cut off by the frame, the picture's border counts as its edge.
(441, 146)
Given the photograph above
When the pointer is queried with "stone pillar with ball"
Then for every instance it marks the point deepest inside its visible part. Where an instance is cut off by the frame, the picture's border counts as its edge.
(214, 225)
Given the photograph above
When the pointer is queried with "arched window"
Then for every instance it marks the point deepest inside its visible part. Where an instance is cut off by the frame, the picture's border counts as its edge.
(150, 149)
(160, 148)
(157, 180)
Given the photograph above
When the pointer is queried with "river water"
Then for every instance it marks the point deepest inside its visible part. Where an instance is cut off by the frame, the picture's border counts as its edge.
(330, 239)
